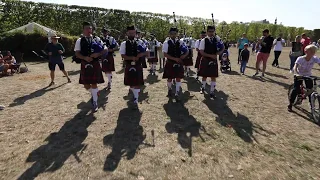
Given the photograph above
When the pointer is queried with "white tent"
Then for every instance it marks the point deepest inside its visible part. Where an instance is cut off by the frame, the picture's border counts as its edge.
(32, 26)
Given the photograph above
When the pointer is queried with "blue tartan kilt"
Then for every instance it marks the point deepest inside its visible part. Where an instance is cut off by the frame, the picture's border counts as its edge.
(173, 70)
(91, 73)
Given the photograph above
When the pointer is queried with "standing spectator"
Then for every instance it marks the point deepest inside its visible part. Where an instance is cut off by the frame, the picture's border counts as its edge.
(245, 54)
(243, 40)
(318, 43)
(264, 52)
(295, 52)
(305, 41)
(253, 47)
(278, 45)
(55, 51)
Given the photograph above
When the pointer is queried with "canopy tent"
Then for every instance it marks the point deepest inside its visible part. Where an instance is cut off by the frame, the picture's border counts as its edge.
(32, 26)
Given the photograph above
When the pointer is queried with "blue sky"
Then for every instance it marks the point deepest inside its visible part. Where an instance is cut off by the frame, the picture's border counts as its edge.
(289, 12)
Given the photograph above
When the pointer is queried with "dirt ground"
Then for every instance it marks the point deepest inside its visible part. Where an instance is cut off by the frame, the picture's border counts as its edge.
(246, 133)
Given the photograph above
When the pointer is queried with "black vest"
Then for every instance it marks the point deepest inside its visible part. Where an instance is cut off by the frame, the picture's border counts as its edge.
(155, 48)
(174, 49)
(210, 47)
(85, 46)
(131, 49)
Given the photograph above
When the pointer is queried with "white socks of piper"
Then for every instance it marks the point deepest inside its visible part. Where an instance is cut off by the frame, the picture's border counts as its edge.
(213, 86)
(178, 85)
(94, 93)
(136, 95)
(169, 84)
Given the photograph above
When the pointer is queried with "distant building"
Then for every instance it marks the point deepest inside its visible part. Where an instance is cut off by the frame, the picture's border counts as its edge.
(262, 21)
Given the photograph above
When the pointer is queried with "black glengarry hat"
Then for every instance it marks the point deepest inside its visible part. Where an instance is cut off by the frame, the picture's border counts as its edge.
(173, 29)
(86, 23)
(203, 32)
(211, 28)
(131, 28)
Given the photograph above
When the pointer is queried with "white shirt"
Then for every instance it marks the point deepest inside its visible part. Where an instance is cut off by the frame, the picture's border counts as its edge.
(77, 46)
(278, 45)
(203, 42)
(305, 67)
(166, 46)
(197, 44)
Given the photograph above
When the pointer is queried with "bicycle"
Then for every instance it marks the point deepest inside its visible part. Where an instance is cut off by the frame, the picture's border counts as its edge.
(305, 92)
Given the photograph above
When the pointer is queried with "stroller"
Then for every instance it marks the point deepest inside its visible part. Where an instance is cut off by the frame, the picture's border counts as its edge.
(225, 62)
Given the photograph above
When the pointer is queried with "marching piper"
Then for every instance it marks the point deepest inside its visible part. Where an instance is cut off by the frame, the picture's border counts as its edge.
(153, 46)
(89, 49)
(131, 51)
(140, 39)
(199, 56)
(210, 47)
(188, 61)
(108, 61)
(175, 51)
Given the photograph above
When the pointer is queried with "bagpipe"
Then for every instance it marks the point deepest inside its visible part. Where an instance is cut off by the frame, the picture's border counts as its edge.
(219, 42)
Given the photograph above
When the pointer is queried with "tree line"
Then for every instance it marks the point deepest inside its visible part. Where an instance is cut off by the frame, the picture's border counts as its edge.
(68, 20)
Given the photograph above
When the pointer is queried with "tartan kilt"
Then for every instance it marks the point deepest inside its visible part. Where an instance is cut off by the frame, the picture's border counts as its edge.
(188, 61)
(143, 62)
(198, 61)
(152, 60)
(208, 67)
(133, 75)
(108, 63)
(91, 73)
(171, 72)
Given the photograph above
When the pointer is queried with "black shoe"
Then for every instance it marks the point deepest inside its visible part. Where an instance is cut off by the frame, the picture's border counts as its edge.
(51, 84)
(176, 97)
(169, 93)
(197, 78)
(212, 95)
(69, 81)
(109, 85)
(94, 106)
(290, 108)
(135, 104)
(202, 90)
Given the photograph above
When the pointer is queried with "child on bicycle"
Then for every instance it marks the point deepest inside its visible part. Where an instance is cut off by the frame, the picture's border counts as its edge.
(303, 67)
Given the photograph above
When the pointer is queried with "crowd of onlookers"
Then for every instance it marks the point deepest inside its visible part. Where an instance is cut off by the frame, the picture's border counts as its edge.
(7, 62)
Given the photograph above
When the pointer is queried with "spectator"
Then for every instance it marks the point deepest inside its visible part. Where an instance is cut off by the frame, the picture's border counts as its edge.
(305, 41)
(264, 52)
(243, 40)
(3, 67)
(295, 52)
(278, 45)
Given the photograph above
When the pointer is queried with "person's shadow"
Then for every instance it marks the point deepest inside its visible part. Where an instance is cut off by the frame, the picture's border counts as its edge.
(183, 123)
(152, 79)
(61, 145)
(38, 93)
(143, 96)
(126, 140)
(241, 124)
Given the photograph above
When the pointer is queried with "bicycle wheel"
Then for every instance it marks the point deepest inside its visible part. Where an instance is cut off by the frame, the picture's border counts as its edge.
(315, 102)
(289, 94)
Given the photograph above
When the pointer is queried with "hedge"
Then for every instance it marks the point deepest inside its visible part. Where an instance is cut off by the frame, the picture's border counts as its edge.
(28, 42)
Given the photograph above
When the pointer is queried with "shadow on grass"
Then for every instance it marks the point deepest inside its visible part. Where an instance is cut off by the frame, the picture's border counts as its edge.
(61, 145)
(127, 139)
(21, 100)
(183, 123)
(271, 74)
(152, 79)
(241, 124)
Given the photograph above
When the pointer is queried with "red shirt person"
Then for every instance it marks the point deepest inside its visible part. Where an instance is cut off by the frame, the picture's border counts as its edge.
(305, 41)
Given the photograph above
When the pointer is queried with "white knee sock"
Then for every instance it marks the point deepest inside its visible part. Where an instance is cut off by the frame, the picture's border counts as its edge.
(136, 95)
(109, 77)
(213, 86)
(204, 83)
(178, 85)
(169, 84)
(94, 93)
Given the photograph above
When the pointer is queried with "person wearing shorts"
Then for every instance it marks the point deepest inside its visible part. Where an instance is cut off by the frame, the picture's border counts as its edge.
(55, 51)
(264, 52)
